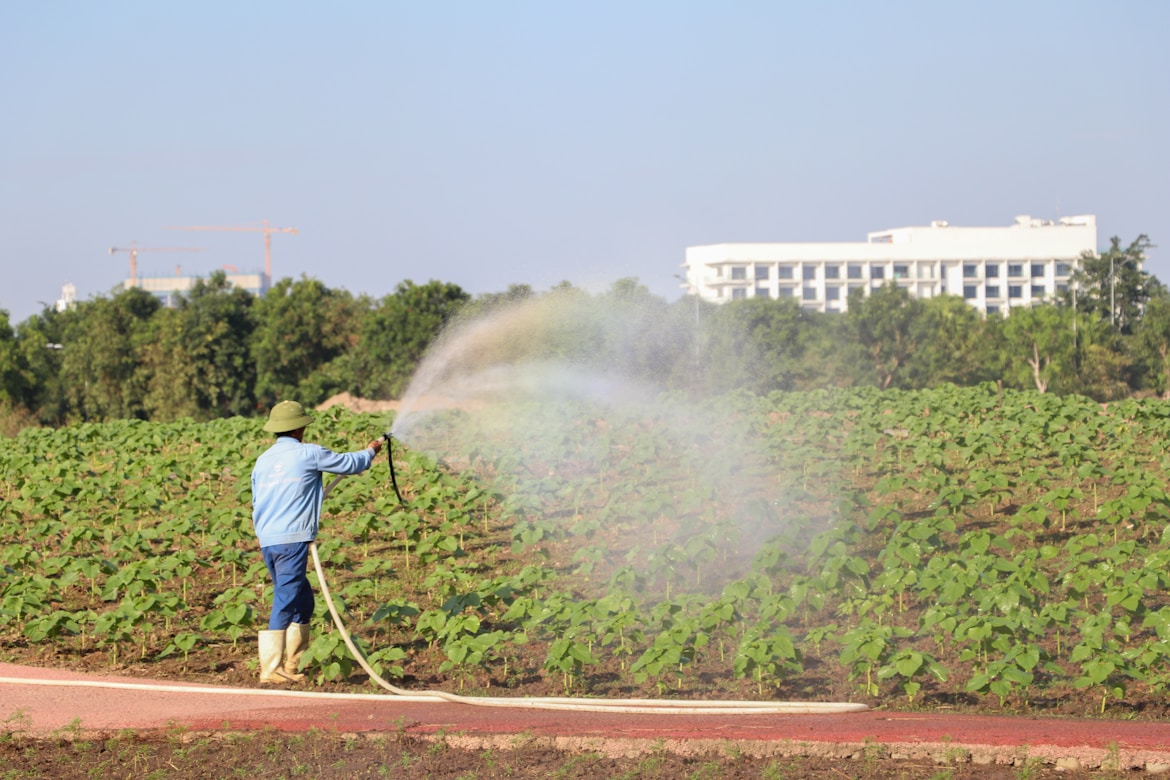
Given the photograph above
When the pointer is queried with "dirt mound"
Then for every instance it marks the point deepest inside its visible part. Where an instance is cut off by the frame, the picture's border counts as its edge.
(355, 404)
(418, 403)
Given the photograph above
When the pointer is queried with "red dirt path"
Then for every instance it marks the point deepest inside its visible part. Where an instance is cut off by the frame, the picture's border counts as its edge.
(41, 709)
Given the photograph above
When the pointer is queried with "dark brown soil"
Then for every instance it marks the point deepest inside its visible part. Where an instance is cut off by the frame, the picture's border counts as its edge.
(323, 755)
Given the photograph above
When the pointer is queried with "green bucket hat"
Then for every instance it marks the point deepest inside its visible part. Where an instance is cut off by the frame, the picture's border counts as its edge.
(287, 416)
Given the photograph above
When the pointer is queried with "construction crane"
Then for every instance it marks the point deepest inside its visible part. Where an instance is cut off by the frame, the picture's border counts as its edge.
(134, 249)
(263, 228)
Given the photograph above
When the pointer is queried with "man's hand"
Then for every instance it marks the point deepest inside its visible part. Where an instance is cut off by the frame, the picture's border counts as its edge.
(376, 445)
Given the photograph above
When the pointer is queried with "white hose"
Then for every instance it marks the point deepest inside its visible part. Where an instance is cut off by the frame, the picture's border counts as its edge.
(653, 706)
(280, 692)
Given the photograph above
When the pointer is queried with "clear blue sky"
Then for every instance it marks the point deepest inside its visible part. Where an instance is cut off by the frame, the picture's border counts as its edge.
(490, 143)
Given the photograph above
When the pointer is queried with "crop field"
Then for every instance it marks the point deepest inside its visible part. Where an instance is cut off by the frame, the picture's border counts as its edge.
(977, 549)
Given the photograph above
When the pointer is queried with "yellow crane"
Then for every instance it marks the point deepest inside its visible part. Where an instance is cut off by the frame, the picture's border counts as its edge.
(262, 228)
(134, 249)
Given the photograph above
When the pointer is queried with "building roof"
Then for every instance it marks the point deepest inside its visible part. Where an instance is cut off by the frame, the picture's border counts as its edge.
(1027, 238)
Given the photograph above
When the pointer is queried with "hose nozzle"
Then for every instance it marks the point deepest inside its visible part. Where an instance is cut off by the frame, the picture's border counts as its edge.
(386, 437)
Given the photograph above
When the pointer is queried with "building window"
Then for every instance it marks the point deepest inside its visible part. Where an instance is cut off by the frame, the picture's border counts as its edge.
(738, 293)
(1063, 269)
(809, 293)
(877, 272)
(991, 271)
(832, 293)
(738, 272)
(832, 272)
(783, 272)
(762, 292)
(1015, 291)
(901, 271)
(1015, 270)
(992, 309)
(808, 273)
(926, 270)
(992, 291)
(787, 292)
(761, 272)
(1037, 270)
(970, 292)
(854, 271)
(970, 271)
(1062, 287)
(1037, 291)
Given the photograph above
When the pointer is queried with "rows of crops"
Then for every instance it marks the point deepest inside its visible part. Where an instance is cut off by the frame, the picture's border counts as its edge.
(958, 546)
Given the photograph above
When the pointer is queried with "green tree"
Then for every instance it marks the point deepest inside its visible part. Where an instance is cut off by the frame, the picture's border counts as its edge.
(1105, 364)
(198, 360)
(638, 334)
(14, 381)
(167, 370)
(100, 341)
(301, 327)
(12, 378)
(884, 324)
(1041, 347)
(490, 301)
(395, 335)
(1112, 286)
(39, 359)
(1153, 341)
(758, 344)
(570, 327)
(951, 337)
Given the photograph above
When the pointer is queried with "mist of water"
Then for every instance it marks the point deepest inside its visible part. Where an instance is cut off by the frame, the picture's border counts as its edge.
(567, 386)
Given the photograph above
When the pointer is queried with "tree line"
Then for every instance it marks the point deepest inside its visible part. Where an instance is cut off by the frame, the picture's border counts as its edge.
(223, 352)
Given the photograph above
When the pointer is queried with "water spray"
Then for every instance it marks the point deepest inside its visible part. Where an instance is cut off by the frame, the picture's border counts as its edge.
(486, 365)
(617, 706)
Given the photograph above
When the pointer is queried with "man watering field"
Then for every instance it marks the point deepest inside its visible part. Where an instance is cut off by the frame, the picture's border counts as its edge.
(286, 510)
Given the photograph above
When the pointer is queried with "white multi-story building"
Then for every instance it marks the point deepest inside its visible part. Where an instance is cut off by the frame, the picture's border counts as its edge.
(993, 268)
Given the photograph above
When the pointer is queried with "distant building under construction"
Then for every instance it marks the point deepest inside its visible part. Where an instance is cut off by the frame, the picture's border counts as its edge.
(168, 288)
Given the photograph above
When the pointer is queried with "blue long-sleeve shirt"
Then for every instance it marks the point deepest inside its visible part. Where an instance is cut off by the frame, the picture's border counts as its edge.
(287, 491)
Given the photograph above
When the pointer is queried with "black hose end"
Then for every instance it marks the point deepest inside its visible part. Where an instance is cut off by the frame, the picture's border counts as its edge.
(390, 458)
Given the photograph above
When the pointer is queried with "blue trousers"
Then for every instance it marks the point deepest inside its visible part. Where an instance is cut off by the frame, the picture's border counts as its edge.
(292, 598)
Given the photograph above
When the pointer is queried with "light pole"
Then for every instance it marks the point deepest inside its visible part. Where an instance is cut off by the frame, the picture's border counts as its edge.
(693, 290)
(1112, 301)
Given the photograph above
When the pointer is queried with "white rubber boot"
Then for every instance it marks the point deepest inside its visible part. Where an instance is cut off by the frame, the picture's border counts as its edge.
(271, 657)
(296, 641)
